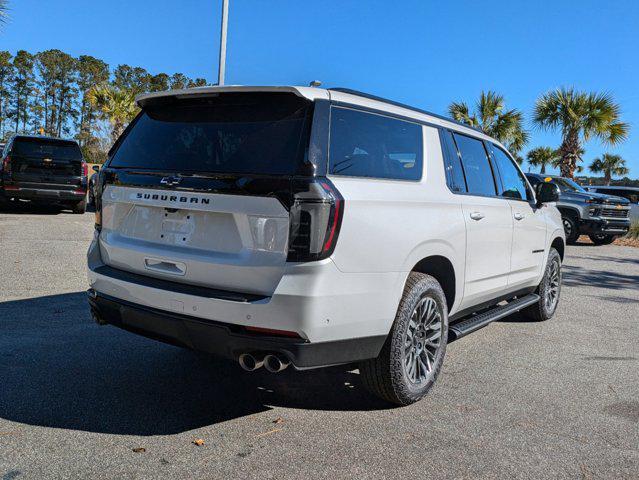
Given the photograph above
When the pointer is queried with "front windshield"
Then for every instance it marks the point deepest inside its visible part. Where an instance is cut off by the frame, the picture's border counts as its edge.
(567, 185)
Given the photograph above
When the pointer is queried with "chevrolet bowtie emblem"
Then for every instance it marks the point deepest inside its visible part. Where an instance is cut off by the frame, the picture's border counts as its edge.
(170, 180)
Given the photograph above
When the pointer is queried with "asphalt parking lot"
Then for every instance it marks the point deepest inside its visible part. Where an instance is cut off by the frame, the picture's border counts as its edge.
(558, 399)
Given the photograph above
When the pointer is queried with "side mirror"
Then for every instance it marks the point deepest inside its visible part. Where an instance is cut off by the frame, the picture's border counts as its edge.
(547, 192)
(95, 168)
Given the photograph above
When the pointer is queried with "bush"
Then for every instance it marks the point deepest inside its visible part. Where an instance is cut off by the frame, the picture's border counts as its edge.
(634, 231)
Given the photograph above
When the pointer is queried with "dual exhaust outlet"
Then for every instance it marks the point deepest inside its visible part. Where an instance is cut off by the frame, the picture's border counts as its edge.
(273, 362)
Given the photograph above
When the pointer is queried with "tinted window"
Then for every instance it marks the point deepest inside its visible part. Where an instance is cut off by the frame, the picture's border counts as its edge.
(513, 184)
(479, 175)
(534, 181)
(369, 145)
(631, 195)
(233, 133)
(452, 162)
(46, 148)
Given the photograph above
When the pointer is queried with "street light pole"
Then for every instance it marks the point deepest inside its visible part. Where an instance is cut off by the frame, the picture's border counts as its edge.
(225, 19)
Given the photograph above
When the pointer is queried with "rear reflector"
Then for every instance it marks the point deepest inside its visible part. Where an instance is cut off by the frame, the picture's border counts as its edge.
(11, 187)
(79, 192)
(273, 332)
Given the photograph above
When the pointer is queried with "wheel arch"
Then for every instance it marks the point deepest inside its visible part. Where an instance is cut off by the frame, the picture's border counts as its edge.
(559, 245)
(569, 211)
(442, 270)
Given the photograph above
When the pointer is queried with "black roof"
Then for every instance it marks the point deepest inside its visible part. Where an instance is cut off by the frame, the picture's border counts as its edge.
(402, 105)
(43, 137)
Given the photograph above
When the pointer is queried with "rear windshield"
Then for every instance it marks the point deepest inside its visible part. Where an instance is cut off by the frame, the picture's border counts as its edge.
(232, 133)
(46, 148)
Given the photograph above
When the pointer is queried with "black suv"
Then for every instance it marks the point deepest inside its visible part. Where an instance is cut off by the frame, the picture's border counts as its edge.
(44, 169)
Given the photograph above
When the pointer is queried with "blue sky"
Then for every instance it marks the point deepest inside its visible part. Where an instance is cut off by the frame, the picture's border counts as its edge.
(422, 52)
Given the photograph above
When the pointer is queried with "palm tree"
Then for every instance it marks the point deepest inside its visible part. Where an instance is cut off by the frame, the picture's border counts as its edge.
(4, 11)
(491, 117)
(542, 157)
(610, 165)
(580, 116)
(116, 105)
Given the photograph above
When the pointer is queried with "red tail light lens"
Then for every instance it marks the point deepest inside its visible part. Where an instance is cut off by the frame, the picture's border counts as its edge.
(315, 220)
(6, 165)
(85, 169)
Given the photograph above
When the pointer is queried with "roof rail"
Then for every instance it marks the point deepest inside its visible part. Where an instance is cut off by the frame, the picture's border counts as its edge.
(402, 105)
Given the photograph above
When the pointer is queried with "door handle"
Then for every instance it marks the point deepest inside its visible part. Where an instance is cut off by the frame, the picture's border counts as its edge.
(519, 216)
(476, 215)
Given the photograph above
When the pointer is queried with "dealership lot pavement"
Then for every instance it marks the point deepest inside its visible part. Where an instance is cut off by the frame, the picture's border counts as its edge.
(558, 399)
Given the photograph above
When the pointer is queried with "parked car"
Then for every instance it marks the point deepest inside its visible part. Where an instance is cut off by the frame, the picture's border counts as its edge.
(91, 187)
(300, 226)
(45, 170)
(602, 217)
(629, 193)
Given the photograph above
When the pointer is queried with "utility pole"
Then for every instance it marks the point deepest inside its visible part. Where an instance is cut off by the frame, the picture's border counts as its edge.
(225, 19)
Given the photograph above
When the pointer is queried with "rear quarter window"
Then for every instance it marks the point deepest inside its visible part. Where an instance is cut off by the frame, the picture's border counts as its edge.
(375, 146)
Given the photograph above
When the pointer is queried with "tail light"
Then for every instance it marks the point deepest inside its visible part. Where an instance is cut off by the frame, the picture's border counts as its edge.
(6, 165)
(315, 220)
(85, 169)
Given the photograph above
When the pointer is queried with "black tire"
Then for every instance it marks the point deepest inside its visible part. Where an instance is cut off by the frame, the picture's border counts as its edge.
(80, 207)
(91, 200)
(571, 228)
(388, 376)
(543, 310)
(602, 239)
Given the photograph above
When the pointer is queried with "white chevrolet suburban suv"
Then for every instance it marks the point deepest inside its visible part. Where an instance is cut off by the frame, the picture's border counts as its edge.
(300, 226)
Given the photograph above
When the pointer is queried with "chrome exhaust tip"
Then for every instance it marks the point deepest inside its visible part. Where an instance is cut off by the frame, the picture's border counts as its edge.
(250, 363)
(276, 363)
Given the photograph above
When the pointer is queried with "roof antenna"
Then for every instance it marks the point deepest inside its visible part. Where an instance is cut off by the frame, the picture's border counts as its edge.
(315, 83)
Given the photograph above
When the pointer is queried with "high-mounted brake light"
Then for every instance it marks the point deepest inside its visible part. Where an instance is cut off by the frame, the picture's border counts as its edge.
(315, 219)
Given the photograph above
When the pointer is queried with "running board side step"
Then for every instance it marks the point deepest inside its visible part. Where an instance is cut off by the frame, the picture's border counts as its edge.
(475, 322)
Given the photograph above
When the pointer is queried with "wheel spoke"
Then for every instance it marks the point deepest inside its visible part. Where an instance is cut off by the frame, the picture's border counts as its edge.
(422, 339)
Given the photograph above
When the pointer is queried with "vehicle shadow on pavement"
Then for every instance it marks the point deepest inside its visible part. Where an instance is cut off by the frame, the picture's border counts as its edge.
(59, 369)
(22, 208)
(574, 276)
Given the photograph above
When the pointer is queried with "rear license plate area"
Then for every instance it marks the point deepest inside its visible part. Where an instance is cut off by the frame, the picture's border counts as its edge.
(177, 227)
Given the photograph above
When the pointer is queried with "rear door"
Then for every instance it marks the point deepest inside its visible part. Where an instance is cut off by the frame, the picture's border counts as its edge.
(529, 222)
(489, 225)
(46, 162)
(199, 191)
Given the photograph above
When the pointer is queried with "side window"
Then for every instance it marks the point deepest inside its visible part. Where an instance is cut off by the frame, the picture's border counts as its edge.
(452, 163)
(479, 174)
(513, 182)
(369, 145)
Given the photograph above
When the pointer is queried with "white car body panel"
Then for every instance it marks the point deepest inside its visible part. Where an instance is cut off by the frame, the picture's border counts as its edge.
(388, 227)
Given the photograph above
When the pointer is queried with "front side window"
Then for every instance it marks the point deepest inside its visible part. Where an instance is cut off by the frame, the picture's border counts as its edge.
(513, 184)
(479, 174)
(370, 145)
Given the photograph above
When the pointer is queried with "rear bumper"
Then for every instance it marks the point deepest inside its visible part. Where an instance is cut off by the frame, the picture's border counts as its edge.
(605, 226)
(226, 340)
(317, 301)
(36, 192)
